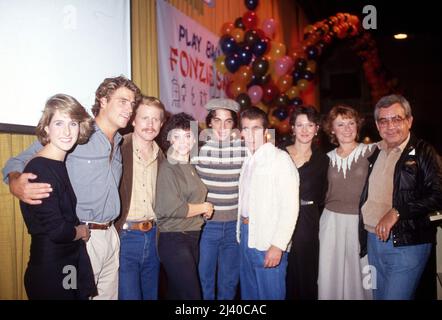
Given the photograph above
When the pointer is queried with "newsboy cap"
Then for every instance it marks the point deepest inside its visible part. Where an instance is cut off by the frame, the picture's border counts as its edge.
(221, 103)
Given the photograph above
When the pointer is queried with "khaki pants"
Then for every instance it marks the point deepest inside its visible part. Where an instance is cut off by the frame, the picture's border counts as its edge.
(103, 248)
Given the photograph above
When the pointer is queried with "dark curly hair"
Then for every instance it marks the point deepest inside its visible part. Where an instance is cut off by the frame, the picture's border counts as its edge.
(177, 121)
(309, 111)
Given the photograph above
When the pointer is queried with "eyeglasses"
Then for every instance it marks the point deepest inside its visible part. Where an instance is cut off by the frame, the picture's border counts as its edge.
(396, 121)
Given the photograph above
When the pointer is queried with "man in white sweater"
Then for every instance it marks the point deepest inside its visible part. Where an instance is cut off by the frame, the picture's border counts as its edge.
(267, 211)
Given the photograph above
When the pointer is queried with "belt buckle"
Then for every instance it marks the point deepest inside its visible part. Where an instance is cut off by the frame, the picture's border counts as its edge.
(145, 226)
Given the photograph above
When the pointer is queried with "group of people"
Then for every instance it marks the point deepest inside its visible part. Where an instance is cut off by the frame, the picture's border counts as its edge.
(236, 217)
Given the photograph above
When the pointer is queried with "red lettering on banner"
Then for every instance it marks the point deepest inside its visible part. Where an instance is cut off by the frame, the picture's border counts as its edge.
(172, 58)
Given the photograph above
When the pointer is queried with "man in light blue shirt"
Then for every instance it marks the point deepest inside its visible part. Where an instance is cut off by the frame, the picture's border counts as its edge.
(95, 171)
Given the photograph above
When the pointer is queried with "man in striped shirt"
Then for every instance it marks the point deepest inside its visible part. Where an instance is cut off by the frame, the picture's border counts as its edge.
(219, 164)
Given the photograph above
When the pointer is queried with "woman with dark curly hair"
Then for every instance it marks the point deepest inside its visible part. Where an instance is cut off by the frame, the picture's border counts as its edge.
(180, 208)
(312, 164)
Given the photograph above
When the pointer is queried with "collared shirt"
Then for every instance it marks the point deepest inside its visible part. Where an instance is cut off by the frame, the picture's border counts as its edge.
(245, 183)
(143, 184)
(94, 170)
(380, 185)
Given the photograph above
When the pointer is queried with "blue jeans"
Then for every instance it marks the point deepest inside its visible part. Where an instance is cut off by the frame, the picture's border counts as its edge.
(219, 250)
(139, 265)
(398, 269)
(257, 282)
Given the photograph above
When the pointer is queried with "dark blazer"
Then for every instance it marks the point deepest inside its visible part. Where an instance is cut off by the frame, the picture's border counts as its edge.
(127, 178)
(417, 192)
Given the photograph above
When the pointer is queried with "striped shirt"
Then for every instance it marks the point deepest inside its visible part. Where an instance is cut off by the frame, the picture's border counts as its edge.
(219, 164)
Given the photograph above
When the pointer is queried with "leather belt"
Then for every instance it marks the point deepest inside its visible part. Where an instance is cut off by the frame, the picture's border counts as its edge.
(98, 226)
(245, 220)
(143, 226)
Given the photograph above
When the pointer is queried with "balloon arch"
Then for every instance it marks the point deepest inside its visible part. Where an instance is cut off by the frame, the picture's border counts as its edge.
(260, 72)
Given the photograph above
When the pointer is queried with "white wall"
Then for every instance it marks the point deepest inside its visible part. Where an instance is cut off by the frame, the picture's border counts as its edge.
(59, 46)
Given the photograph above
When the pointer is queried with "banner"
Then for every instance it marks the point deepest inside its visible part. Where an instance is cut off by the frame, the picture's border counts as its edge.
(186, 56)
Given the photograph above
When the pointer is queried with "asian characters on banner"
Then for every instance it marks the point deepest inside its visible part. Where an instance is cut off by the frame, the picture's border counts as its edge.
(260, 72)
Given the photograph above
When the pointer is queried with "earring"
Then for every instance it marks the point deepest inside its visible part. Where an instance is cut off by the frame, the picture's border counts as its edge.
(316, 134)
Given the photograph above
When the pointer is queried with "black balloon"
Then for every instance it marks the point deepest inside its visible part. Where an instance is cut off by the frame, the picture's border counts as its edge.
(312, 52)
(297, 101)
(239, 24)
(251, 37)
(260, 67)
(243, 100)
(280, 113)
(261, 80)
(300, 64)
(260, 47)
(308, 75)
(297, 75)
(228, 45)
(232, 63)
(245, 55)
(251, 4)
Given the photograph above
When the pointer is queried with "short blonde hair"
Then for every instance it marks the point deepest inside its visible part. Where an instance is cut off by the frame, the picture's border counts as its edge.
(67, 105)
(345, 112)
(151, 102)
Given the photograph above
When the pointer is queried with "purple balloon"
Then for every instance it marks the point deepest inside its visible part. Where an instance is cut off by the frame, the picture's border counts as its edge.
(283, 65)
(255, 94)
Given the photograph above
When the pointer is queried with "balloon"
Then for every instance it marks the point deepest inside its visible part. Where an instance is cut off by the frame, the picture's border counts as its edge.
(277, 50)
(270, 92)
(226, 28)
(282, 101)
(308, 75)
(297, 75)
(220, 65)
(232, 63)
(260, 47)
(250, 19)
(243, 75)
(292, 92)
(251, 4)
(245, 55)
(239, 24)
(311, 66)
(260, 80)
(262, 106)
(302, 84)
(283, 127)
(297, 102)
(312, 52)
(285, 139)
(260, 66)
(255, 94)
(243, 100)
(237, 88)
(238, 35)
(228, 45)
(282, 65)
(300, 64)
(273, 121)
(269, 27)
(280, 113)
(284, 82)
(251, 37)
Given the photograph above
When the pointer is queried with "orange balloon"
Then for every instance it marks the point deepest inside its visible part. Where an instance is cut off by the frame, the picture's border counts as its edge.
(227, 28)
(262, 106)
(277, 50)
(273, 121)
(237, 34)
(236, 88)
(243, 75)
(292, 92)
(283, 127)
(302, 84)
(284, 82)
(311, 66)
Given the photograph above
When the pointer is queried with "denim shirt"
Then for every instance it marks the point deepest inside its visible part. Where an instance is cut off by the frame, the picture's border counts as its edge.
(94, 172)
